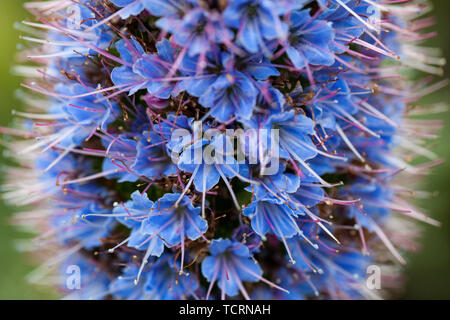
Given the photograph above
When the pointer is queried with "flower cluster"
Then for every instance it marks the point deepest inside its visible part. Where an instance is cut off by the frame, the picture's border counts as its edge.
(298, 212)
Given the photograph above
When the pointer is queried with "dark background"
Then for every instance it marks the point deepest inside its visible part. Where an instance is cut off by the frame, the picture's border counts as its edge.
(427, 271)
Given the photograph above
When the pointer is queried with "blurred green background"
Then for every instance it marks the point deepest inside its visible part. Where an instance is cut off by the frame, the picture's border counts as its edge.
(427, 272)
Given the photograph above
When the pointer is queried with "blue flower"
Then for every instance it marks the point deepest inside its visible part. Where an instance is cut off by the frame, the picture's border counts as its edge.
(159, 8)
(152, 159)
(130, 51)
(275, 217)
(215, 161)
(348, 271)
(203, 72)
(83, 224)
(281, 135)
(132, 214)
(245, 233)
(257, 66)
(374, 205)
(66, 41)
(155, 69)
(51, 164)
(231, 94)
(256, 21)
(198, 30)
(333, 102)
(150, 72)
(230, 264)
(164, 8)
(309, 41)
(345, 25)
(134, 211)
(120, 155)
(164, 281)
(174, 223)
(310, 194)
(273, 185)
(81, 115)
(273, 100)
(294, 135)
(123, 286)
(300, 288)
(200, 73)
(130, 7)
